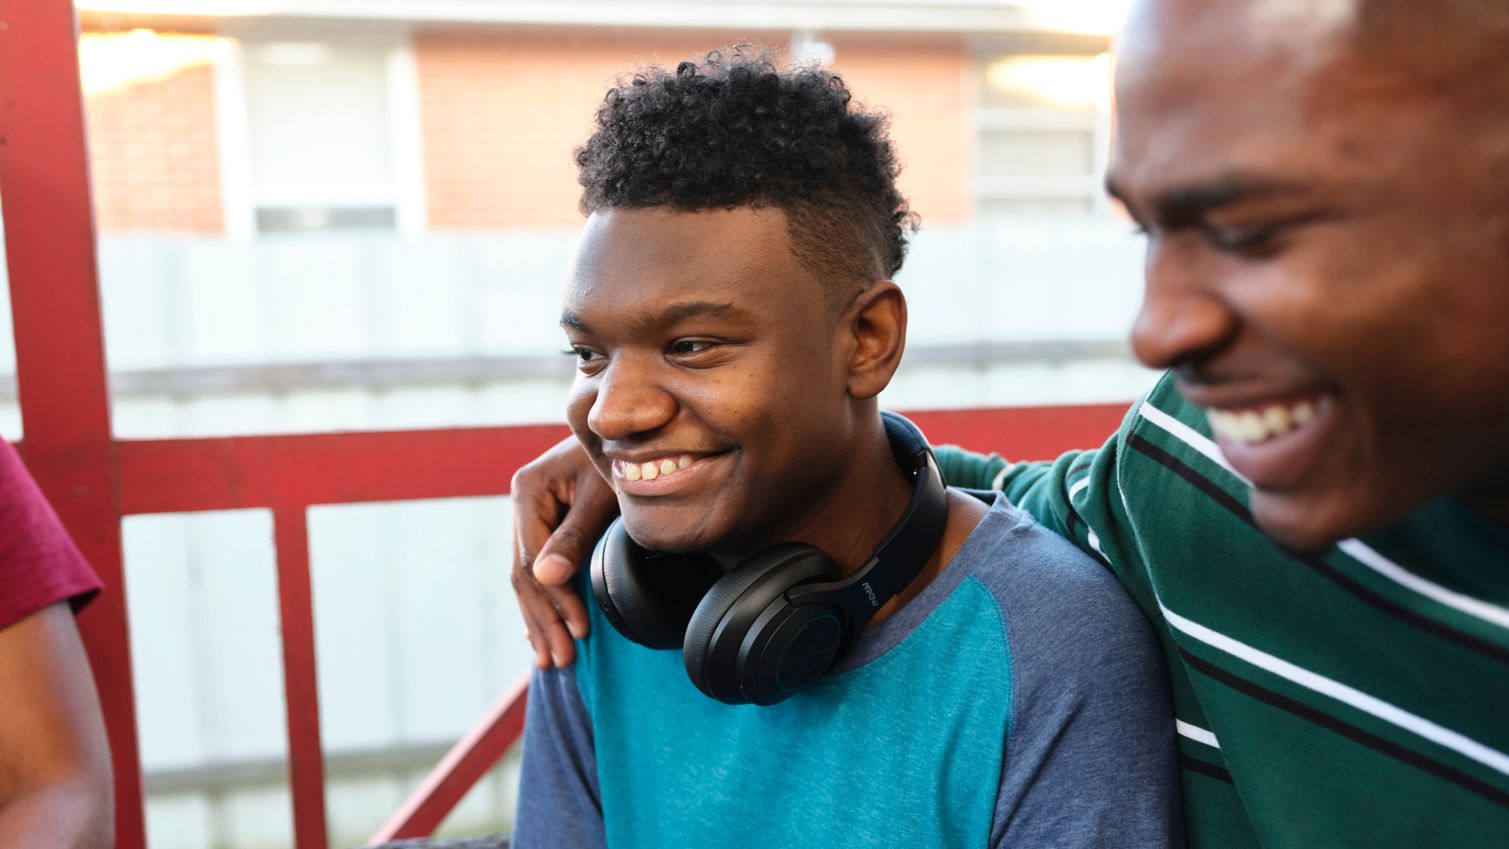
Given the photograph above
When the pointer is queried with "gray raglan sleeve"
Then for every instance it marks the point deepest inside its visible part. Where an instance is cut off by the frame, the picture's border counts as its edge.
(1091, 758)
(560, 806)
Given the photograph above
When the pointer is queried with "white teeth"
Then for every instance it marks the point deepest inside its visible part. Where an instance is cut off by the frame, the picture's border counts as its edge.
(1264, 423)
(1277, 419)
(1302, 412)
(651, 469)
(1252, 426)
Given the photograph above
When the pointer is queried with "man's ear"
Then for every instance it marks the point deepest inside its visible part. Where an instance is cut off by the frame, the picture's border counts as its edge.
(875, 324)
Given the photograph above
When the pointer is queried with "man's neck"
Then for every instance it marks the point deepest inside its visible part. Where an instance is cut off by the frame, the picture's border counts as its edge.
(863, 505)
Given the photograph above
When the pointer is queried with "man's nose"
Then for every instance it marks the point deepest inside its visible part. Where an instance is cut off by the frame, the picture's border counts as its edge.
(629, 401)
(1183, 318)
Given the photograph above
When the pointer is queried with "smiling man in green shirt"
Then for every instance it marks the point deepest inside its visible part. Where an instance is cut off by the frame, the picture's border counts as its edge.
(1312, 506)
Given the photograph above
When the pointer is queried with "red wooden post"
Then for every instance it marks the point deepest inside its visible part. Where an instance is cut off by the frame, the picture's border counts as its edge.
(306, 757)
(461, 768)
(65, 405)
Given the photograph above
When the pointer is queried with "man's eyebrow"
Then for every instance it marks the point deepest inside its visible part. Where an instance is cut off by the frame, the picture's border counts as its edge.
(1183, 205)
(672, 314)
(696, 309)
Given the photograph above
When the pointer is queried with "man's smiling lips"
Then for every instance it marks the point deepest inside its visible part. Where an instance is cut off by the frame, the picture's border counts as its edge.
(1260, 423)
(1273, 441)
(659, 473)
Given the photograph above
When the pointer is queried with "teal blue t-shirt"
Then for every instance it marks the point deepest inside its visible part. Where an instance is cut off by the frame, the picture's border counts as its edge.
(1019, 700)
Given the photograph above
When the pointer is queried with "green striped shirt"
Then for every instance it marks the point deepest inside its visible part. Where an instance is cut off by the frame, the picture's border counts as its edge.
(1357, 696)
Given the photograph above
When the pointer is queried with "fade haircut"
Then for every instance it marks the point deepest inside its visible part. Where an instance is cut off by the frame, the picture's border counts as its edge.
(733, 129)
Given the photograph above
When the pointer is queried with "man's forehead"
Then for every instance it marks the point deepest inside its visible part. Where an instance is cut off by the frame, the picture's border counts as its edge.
(1255, 21)
(1182, 38)
(652, 259)
(1417, 38)
(1244, 93)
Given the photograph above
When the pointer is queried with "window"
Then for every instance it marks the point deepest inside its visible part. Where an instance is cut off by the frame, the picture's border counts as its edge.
(1044, 134)
(325, 150)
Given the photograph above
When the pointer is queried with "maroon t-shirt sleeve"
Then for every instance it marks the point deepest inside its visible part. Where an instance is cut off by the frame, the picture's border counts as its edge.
(39, 564)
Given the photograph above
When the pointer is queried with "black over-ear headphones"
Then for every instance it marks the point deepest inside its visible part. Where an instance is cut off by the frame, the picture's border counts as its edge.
(778, 620)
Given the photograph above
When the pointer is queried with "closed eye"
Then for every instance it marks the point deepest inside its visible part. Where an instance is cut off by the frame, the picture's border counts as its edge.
(1243, 240)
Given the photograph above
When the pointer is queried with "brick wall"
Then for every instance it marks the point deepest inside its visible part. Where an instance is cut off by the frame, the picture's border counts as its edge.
(502, 112)
(924, 85)
(154, 155)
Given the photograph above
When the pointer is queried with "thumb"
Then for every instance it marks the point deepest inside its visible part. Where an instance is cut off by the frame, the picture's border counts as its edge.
(571, 543)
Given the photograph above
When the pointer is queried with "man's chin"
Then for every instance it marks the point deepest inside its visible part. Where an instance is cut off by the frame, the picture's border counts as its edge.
(1303, 524)
(1316, 519)
(667, 537)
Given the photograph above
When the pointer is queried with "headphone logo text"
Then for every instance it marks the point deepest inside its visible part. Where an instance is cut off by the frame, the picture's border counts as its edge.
(870, 593)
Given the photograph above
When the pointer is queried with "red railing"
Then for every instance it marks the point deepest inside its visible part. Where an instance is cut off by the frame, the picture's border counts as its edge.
(94, 480)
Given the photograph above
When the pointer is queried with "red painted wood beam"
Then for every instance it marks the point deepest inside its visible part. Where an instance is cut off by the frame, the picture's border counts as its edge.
(179, 475)
(461, 768)
(1022, 433)
(65, 407)
(306, 756)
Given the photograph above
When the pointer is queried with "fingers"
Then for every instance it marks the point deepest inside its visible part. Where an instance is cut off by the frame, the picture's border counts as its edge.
(547, 612)
(538, 614)
(562, 646)
(537, 509)
(572, 610)
(554, 569)
(535, 513)
(593, 506)
(549, 546)
(570, 545)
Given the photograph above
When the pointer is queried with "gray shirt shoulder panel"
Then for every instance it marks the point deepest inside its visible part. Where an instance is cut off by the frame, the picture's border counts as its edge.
(560, 806)
(1091, 760)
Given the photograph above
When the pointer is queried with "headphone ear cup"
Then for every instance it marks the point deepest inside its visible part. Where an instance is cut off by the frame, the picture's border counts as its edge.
(648, 596)
(732, 607)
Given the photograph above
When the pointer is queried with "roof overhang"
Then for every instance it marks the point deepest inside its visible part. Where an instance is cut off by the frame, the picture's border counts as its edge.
(975, 17)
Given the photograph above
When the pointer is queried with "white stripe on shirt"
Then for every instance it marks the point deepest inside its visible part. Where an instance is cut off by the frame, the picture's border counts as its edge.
(1474, 607)
(1403, 719)
(1189, 436)
(1196, 733)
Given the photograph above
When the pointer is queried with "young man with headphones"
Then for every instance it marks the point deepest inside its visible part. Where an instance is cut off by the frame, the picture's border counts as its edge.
(800, 637)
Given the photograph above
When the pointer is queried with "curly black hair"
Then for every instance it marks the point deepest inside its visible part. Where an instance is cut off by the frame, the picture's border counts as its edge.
(735, 129)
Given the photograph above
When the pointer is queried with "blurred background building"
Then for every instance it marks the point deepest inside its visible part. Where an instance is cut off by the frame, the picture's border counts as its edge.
(332, 215)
